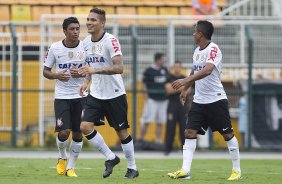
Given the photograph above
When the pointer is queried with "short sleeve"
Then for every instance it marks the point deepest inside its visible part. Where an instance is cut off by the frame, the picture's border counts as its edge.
(214, 55)
(114, 47)
(49, 58)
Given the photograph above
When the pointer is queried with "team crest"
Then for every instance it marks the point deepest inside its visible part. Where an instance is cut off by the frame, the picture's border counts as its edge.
(70, 55)
(197, 57)
(80, 55)
(93, 49)
(59, 122)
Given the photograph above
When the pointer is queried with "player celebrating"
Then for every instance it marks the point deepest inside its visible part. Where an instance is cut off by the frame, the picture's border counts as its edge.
(210, 105)
(107, 94)
(67, 55)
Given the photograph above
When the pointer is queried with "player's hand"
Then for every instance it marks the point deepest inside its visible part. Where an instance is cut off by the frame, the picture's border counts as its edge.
(83, 71)
(74, 71)
(178, 84)
(63, 76)
(83, 88)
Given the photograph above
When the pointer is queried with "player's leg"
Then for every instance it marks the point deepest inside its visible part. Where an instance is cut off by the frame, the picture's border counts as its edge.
(117, 117)
(91, 113)
(76, 144)
(148, 116)
(62, 114)
(194, 126)
(222, 124)
(170, 127)
(161, 112)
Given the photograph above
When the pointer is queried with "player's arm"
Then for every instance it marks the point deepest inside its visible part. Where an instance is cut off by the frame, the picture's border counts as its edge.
(85, 84)
(47, 72)
(116, 68)
(189, 81)
(169, 89)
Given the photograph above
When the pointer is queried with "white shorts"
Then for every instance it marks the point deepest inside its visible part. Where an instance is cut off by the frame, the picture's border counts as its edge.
(154, 111)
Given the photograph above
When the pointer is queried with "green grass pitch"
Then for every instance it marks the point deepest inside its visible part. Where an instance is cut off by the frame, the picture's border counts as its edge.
(152, 171)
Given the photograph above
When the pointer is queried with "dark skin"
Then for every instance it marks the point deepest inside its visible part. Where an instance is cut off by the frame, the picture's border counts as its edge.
(71, 40)
(187, 82)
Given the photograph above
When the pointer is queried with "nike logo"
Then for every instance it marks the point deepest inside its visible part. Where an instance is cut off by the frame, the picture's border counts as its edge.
(224, 129)
(59, 57)
(121, 124)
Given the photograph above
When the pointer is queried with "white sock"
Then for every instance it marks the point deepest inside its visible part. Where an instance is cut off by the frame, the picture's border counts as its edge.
(98, 142)
(75, 149)
(189, 148)
(62, 147)
(128, 150)
(233, 148)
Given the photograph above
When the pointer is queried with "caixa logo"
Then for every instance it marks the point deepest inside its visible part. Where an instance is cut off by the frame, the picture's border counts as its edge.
(95, 60)
(69, 65)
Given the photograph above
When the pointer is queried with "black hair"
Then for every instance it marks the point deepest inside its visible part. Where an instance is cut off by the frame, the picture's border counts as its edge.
(68, 21)
(178, 62)
(158, 56)
(100, 12)
(206, 28)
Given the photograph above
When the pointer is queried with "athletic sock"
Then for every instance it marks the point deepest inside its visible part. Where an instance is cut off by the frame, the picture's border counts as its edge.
(189, 148)
(75, 149)
(128, 150)
(233, 148)
(98, 142)
(62, 147)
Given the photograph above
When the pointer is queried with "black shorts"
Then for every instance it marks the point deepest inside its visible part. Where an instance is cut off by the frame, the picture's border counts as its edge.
(214, 115)
(114, 109)
(68, 114)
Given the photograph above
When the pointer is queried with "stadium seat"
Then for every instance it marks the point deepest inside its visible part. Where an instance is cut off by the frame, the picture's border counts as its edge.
(168, 11)
(132, 3)
(50, 2)
(37, 11)
(126, 11)
(147, 11)
(62, 10)
(28, 2)
(90, 2)
(188, 2)
(174, 2)
(111, 3)
(153, 2)
(110, 10)
(5, 13)
(186, 11)
(70, 2)
(8, 2)
(82, 9)
(21, 13)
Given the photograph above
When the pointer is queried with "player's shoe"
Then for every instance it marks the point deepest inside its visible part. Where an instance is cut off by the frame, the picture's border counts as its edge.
(61, 166)
(235, 175)
(110, 164)
(180, 174)
(131, 173)
(71, 173)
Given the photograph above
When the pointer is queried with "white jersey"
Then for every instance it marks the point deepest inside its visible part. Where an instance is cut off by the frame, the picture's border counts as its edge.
(99, 55)
(64, 58)
(208, 89)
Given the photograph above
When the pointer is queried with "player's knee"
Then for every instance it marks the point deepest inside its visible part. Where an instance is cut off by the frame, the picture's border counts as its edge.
(190, 133)
(86, 128)
(64, 134)
(228, 136)
(77, 136)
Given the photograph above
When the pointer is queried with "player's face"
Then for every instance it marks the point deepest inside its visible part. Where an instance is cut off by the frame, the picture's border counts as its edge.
(72, 32)
(94, 24)
(197, 35)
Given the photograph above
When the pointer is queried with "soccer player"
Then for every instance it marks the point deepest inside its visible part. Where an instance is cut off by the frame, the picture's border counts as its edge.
(67, 55)
(210, 105)
(107, 93)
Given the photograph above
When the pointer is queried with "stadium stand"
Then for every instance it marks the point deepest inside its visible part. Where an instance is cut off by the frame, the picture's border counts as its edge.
(5, 13)
(37, 11)
(20, 13)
